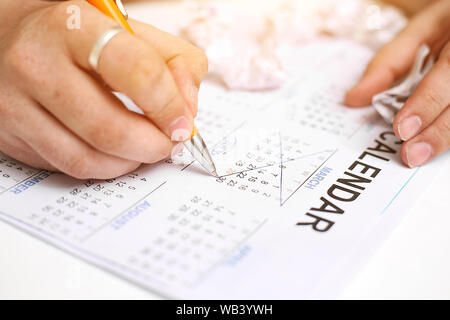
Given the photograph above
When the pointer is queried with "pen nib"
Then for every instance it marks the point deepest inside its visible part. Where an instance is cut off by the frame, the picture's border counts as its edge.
(214, 173)
(200, 152)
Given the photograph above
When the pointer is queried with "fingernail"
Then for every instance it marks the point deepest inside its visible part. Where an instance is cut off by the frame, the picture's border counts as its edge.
(409, 127)
(177, 149)
(418, 154)
(180, 129)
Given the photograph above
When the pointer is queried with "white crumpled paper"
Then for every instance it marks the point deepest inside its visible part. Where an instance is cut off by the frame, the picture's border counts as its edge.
(389, 102)
(366, 22)
(246, 49)
(237, 46)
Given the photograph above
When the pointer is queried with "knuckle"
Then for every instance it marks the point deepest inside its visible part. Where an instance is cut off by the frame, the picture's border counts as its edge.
(201, 62)
(86, 166)
(18, 59)
(439, 135)
(159, 154)
(107, 136)
(167, 102)
(6, 112)
(196, 61)
(168, 109)
(146, 73)
(22, 60)
(432, 100)
(9, 118)
(55, 12)
(80, 166)
(58, 13)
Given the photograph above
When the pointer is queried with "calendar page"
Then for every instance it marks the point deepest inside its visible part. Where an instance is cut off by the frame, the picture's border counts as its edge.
(307, 189)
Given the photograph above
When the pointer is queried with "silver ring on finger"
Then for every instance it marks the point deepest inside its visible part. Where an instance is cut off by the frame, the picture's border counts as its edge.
(100, 44)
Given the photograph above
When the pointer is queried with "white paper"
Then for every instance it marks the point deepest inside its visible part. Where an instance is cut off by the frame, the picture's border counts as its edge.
(173, 229)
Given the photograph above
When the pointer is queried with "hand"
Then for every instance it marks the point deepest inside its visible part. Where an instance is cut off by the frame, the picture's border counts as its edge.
(424, 121)
(56, 113)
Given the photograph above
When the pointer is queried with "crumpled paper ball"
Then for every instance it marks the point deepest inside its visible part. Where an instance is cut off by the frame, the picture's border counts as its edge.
(236, 47)
(246, 50)
(366, 22)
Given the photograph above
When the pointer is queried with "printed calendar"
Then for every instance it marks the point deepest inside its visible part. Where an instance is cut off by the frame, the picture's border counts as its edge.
(306, 188)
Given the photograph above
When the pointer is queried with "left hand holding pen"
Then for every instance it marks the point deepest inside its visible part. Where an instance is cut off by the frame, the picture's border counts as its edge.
(424, 121)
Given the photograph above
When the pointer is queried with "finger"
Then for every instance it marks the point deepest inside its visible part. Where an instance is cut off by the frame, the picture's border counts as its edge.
(146, 79)
(428, 101)
(16, 148)
(132, 66)
(389, 64)
(64, 151)
(99, 118)
(11, 102)
(432, 142)
(187, 63)
(394, 60)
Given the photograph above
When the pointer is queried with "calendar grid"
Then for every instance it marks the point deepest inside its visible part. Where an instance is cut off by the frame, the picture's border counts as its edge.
(271, 165)
(307, 179)
(79, 251)
(188, 165)
(22, 181)
(121, 213)
(281, 169)
(220, 140)
(218, 263)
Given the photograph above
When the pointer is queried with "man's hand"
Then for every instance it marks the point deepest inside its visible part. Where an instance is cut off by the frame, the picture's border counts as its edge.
(424, 121)
(56, 113)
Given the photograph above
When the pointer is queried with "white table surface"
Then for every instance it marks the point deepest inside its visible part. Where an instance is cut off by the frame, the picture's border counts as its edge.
(414, 262)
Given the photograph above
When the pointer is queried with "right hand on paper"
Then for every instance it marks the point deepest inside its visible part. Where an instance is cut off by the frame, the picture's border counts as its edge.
(424, 121)
(56, 113)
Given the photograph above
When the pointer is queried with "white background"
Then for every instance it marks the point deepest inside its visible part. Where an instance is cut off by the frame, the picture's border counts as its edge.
(414, 262)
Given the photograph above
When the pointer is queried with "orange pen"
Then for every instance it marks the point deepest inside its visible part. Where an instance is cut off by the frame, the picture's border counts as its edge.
(196, 145)
(115, 10)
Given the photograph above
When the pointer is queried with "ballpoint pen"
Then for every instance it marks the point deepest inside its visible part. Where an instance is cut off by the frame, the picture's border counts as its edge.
(196, 145)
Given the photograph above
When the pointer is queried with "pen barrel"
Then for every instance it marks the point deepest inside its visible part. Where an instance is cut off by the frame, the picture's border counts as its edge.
(194, 132)
(109, 8)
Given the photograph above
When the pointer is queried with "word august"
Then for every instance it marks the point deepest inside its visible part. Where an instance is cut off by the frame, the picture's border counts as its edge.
(349, 188)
